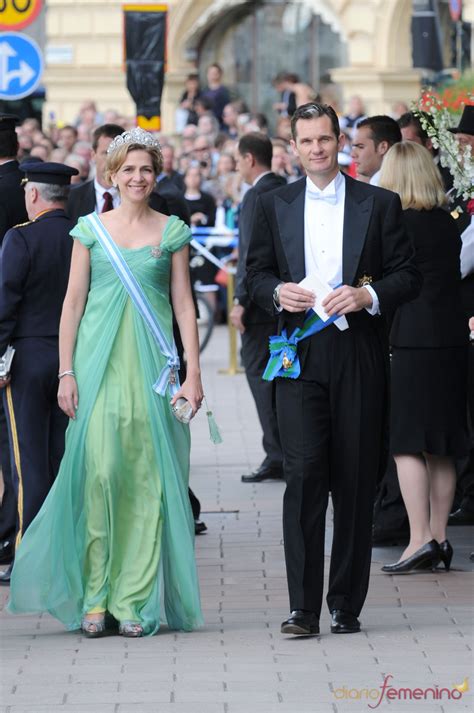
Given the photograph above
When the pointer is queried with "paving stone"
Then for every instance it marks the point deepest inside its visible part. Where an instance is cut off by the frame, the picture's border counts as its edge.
(416, 628)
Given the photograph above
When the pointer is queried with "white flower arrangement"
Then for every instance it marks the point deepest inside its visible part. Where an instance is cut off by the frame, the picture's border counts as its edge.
(436, 119)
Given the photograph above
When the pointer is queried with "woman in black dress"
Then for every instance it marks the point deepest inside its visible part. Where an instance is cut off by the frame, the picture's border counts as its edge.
(429, 338)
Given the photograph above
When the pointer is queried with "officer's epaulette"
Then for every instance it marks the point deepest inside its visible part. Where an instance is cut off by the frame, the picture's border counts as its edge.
(22, 225)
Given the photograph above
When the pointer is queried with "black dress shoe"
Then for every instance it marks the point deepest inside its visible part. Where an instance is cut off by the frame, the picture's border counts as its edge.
(199, 527)
(301, 623)
(6, 575)
(6, 551)
(461, 517)
(426, 557)
(343, 622)
(265, 472)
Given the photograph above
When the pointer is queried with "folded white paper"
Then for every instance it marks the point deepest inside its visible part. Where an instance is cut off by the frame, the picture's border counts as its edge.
(321, 289)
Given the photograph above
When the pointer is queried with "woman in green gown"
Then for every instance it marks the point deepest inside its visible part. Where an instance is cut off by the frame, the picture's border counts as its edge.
(116, 533)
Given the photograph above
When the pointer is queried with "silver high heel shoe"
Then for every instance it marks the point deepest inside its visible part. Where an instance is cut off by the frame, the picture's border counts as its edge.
(93, 629)
(130, 629)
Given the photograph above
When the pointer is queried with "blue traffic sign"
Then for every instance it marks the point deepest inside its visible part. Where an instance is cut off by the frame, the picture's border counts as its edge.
(21, 65)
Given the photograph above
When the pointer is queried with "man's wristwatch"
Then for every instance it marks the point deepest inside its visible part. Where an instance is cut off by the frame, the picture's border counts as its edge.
(276, 294)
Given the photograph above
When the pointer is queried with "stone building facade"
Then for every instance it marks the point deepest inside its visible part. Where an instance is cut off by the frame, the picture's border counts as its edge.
(364, 46)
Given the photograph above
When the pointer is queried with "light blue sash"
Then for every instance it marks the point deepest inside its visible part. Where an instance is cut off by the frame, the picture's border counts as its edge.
(169, 377)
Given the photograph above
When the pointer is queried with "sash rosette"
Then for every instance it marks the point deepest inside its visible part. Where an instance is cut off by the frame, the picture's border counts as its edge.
(284, 359)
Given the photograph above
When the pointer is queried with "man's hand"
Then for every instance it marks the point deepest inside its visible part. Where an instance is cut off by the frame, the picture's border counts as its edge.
(471, 324)
(294, 298)
(347, 299)
(236, 316)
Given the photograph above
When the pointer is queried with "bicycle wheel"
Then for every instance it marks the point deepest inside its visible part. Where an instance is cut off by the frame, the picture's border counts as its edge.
(205, 321)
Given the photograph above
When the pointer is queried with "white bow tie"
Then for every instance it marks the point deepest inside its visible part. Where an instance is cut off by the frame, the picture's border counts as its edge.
(320, 196)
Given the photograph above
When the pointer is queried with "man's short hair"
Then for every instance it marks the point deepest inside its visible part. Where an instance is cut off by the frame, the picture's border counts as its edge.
(314, 110)
(259, 146)
(383, 128)
(411, 119)
(108, 130)
(51, 192)
(8, 144)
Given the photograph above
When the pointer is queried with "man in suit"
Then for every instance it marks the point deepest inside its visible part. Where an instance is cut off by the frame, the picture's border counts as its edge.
(34, 273)
(412, 130)
(254, 160)
(372, 139)
(331, 416)
(12, 211)
(168, 173)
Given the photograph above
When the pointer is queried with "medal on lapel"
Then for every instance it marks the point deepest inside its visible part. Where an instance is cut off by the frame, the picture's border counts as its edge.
(364, 280)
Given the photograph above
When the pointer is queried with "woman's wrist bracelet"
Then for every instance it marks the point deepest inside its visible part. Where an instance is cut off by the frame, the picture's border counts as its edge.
(66, 373)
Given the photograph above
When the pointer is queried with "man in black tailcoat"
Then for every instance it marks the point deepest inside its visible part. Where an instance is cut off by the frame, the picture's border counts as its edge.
(254, 160)
(34, 272)
(12, 211)
(331, 416)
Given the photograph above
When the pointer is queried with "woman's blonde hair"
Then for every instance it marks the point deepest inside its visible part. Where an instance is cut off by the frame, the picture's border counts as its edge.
(118, 157)
(409, 170)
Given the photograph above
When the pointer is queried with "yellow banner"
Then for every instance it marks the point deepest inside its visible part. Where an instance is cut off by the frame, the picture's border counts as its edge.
(135, 7)
(151, 124)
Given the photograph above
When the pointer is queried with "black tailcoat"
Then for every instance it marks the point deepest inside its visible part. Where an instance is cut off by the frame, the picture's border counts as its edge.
(331, 419)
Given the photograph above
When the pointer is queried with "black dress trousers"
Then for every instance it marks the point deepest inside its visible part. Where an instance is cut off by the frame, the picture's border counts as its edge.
(330, 422)
(36, 424)
(255, 355)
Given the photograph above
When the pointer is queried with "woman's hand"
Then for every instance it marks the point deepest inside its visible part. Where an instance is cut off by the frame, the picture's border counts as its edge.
(68, 396)
(192, 391)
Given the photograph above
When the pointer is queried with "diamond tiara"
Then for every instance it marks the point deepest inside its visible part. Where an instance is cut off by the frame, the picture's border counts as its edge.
(134, 136)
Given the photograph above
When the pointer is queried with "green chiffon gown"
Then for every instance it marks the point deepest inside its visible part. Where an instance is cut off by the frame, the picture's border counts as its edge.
(116, 531)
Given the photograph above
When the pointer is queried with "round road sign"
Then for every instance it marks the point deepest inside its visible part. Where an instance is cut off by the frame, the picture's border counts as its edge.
(16, 14)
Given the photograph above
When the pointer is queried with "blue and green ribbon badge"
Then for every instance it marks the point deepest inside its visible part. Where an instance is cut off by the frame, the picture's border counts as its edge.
(284, 359)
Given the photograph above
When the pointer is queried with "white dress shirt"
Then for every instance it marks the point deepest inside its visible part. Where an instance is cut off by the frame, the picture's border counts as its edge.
(323, 233)
(99, 196)
(260, 175)
(375, 180)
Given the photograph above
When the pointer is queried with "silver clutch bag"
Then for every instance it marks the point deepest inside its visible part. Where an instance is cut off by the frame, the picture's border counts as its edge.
(6, 362)
(182, 410)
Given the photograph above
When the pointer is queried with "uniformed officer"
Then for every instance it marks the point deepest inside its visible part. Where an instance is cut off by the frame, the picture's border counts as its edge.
(12, 211)
(34, 271)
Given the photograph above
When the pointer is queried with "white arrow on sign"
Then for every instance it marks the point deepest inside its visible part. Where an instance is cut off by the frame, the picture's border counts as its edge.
(24, 73)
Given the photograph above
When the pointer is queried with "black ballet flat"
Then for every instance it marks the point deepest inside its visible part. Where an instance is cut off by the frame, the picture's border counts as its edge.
(427, 556)
(446, 554)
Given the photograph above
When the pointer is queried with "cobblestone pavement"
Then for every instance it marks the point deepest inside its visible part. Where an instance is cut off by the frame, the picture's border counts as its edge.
(416, 629)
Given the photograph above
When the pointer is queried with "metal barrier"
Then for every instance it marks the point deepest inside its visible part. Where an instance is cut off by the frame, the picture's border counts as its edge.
(204, 239)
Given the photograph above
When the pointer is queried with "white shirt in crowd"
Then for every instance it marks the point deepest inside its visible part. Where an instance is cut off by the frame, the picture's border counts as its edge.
(99, 196)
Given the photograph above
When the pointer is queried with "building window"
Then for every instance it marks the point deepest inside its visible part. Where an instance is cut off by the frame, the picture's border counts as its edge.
(255, 41)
